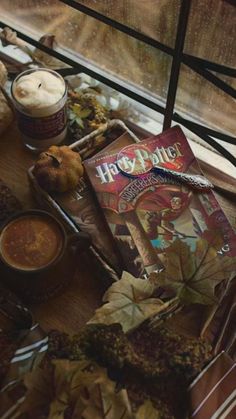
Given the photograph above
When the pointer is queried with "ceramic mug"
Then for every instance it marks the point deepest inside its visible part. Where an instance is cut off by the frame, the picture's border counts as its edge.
(37, 254)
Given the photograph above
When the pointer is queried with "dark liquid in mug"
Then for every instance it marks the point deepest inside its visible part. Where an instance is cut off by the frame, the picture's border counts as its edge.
(31, 242)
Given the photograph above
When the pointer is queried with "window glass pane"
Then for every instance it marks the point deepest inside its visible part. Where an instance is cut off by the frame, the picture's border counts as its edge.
(33, 14)
(211, 31)
(157, 19)
(109, 49)
(204, 102)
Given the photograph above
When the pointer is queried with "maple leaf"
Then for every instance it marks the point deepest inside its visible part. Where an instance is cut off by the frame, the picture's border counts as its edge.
(39, 392)
(84, 391)
(194, 275)
(73, 389)
(81, 112)
(146, 410)
(129, 302)
(102, 400)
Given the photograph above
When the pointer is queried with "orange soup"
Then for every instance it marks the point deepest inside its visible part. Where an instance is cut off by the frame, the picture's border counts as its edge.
(31, 242)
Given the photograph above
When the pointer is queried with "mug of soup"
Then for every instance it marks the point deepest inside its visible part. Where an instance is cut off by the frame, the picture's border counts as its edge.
(36, 253)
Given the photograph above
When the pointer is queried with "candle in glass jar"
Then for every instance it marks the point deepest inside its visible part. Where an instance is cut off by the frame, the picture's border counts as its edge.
(39, 97)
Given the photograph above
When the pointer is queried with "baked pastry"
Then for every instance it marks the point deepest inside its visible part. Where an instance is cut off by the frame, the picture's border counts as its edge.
(58, 169)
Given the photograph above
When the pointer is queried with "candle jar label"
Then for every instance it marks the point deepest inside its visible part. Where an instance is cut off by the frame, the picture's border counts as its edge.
(42, 128)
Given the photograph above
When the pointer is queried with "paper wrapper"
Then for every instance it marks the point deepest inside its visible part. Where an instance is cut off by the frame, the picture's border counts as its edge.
(222, 327)
(213, 392)
(23, 345)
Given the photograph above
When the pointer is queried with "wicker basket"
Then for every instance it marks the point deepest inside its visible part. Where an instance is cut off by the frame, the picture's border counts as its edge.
(87, 146)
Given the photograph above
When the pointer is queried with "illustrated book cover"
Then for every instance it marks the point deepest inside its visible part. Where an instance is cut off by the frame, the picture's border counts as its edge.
(146, 211)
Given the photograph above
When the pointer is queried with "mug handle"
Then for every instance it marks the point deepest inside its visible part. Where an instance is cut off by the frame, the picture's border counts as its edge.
(81, 241)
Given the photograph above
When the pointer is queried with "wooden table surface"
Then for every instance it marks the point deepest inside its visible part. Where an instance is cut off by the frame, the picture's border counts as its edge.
(71, 309)
(76, 305)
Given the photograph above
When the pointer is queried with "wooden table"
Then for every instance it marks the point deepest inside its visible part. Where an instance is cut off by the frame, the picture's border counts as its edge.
(76, 305)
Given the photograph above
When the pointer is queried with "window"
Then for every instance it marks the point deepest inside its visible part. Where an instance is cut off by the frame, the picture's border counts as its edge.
(131, 45)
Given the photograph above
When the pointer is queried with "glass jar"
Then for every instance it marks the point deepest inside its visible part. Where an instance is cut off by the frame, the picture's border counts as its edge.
(40, 107)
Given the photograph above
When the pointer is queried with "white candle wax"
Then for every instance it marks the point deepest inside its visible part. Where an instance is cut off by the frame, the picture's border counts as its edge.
(40, 97)
(38, 90)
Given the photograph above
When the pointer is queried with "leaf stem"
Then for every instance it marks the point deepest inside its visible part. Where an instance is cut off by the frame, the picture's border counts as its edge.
(173, 308)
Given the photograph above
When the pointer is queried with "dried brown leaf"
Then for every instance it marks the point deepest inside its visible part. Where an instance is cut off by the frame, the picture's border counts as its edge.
(73, 389)
(147, 411)
(102, 400)
(39, 392)
(194, 275)
(129, 302)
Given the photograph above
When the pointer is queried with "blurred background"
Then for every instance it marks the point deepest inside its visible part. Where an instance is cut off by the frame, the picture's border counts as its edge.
(211, 34)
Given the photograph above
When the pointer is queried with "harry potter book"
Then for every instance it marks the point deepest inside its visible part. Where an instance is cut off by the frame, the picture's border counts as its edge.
(145, 209)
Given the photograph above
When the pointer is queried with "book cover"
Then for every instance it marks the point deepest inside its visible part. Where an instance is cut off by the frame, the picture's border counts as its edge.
(148, 211)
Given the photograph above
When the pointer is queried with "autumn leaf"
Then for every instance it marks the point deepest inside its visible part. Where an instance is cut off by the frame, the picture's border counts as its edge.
(70, 379)
(147, 411)
(193, 276)
(102, 400)
(73, 389)
(129, 302)
(79, 122)
(48, 389)
(61, 401)
(84, 391)
(85, 112)
(39, 392)
(81, 112)
(76, 108)
(72, 116)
